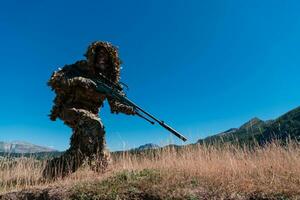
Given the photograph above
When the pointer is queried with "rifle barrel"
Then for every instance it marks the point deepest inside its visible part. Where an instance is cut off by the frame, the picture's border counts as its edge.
(122, 98)
(162, 123)
(145, 118)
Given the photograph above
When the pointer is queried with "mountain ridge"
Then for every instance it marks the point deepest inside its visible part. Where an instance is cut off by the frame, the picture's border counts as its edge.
(286, 126)
(23, 147)
(147, 147)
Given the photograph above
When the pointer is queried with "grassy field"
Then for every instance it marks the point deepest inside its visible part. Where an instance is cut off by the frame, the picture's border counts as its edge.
(193, 172)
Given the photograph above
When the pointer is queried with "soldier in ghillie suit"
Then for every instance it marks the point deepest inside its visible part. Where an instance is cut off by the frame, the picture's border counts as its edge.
(77, 104)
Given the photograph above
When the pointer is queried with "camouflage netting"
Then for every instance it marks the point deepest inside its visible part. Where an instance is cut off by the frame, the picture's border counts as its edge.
(77, 104)
(114, 72)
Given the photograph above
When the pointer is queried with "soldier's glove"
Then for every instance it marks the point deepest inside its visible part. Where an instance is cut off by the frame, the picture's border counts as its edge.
(131, 111)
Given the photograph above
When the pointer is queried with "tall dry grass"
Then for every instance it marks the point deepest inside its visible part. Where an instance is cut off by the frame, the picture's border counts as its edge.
(19, 172)
(271, 170)
(24, 173)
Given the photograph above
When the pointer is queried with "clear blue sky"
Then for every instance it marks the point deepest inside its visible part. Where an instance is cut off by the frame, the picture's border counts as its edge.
(202, 66)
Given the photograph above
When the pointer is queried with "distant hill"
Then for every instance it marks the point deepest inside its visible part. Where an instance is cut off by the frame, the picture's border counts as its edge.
(23, 147)
(147, 147)
(39, 155)
(261, 132)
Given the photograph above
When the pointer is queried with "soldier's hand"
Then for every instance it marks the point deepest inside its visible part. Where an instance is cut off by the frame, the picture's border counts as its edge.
(83, 82)
(52, 117)
(131, 111)
(90, 83)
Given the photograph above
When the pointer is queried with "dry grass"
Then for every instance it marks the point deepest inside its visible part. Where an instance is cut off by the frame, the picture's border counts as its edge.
(227, 172)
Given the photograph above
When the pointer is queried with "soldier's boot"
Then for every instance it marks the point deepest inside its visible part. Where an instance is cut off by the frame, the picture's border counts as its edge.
(100, 161)
(62, 166)
(87, 142)
(89, 137)
(97, 153)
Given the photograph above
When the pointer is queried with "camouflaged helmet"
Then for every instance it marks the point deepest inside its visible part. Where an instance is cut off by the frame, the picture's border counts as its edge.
(114, 71)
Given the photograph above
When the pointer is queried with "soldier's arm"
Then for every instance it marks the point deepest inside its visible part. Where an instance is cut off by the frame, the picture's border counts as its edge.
(82, 82)
(68, 77)
(62, 82)
(118, 107)
(54, 113)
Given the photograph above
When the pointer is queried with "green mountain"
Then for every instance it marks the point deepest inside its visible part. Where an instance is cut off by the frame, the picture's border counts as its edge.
(258, 131)
(285, 127)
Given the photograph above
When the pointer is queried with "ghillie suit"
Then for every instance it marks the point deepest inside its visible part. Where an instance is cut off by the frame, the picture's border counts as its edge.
(77, 103)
